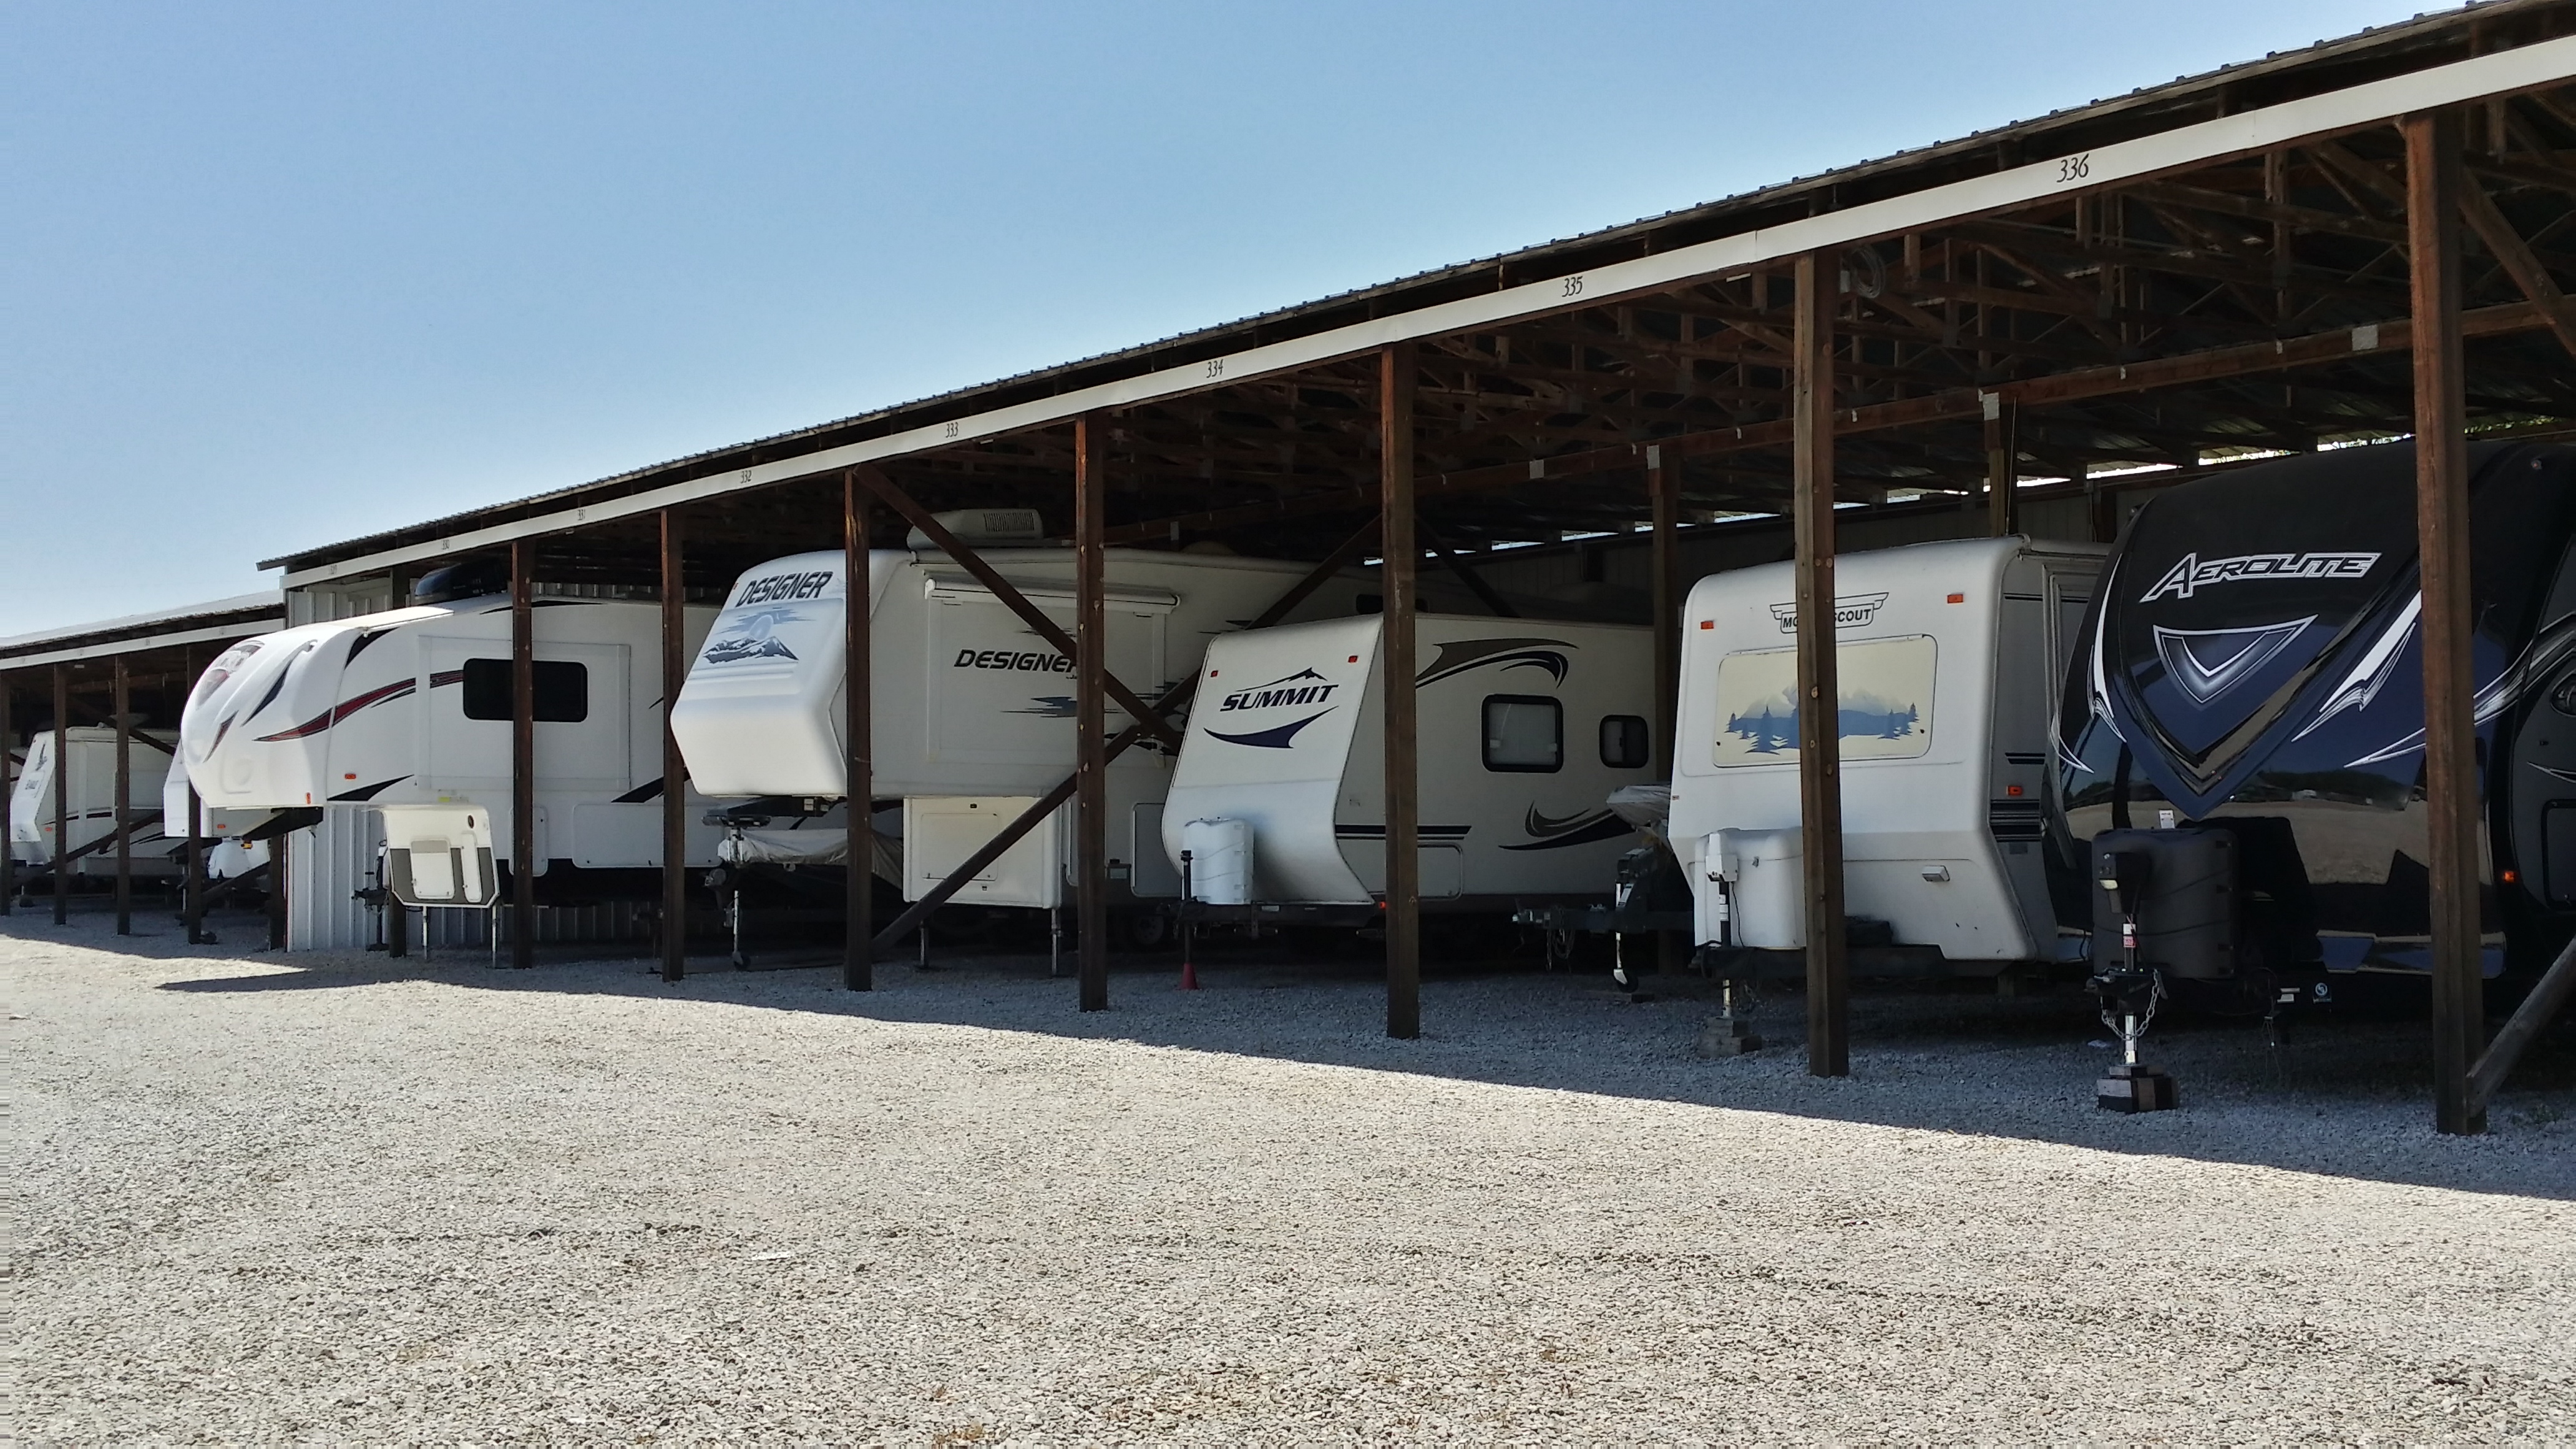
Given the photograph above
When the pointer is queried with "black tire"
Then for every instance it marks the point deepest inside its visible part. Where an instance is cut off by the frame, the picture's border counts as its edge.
(1145, 930)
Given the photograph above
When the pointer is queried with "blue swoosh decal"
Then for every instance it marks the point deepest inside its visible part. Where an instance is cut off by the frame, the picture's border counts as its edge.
(1276, 738)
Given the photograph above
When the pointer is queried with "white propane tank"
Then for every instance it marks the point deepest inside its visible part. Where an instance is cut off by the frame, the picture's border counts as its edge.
(1765, 873)
(1220, 854)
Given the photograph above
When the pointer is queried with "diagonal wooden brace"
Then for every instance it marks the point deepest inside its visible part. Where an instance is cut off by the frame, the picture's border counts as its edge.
(1466, 572)
(2515, 255)
(256, 875)
(2556, 988)
(135, 822)
(1053, 800)
(108, 720)
(901, 502)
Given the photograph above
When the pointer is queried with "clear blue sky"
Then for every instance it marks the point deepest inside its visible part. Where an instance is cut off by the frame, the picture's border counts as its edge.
(275, 275)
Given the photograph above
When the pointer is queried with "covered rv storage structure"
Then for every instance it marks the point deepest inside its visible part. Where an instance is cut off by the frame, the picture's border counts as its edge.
(2018, 331)
(128, 677)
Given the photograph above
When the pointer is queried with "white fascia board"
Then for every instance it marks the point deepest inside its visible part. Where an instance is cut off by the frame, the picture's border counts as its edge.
(237, 604)
(2501, 73)
(247, 629)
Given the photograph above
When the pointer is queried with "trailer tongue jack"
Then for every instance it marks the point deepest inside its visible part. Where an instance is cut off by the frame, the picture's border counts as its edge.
(2130, 994)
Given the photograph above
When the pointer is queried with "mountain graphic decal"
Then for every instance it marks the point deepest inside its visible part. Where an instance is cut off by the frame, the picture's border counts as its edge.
(752, 637)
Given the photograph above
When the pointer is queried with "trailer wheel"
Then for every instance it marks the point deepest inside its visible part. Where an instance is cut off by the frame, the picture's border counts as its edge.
(1145, 930)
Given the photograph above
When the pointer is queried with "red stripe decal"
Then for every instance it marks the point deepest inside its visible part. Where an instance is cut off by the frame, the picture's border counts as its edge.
(343, 710)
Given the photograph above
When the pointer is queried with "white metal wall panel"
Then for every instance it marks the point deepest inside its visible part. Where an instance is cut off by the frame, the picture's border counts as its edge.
(326, 867)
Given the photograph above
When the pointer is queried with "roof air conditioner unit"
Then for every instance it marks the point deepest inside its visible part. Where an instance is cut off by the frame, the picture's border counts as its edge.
(985, 525)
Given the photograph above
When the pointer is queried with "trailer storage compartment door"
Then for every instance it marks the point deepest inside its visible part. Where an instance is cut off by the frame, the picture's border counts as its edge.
(941, 831)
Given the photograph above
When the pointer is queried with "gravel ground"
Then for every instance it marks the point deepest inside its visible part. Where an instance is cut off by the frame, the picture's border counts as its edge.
(349, 1199)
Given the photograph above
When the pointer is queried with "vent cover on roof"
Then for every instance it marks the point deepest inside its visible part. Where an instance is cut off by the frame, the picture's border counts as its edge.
(985, 525)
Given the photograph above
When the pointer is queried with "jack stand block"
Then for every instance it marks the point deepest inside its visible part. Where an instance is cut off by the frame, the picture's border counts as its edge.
(2134, 1088)
(1726, 1036)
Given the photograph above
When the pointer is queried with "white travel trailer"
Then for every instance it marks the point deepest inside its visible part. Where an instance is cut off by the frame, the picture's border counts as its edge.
(1524, 727)
(1948, 656)
(973, 711)
(407, 713)
(34, 835)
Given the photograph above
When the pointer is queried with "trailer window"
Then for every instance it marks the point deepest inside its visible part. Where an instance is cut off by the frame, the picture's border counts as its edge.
(562, 695)
(1524, 734)
(1886, 713)
(1625, 744)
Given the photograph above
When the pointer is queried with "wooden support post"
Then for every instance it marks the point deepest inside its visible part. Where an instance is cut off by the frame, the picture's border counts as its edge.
(280, 852)
(1395, 649)
(192, 889)
(1664, 485)
(2433, 191)
(2003, 449)
(192, 880)
(1820, 798)
(1090, 712)
(121, 704)
(2105, 513)
(2276, 189)
(1664, 489)
(523, 755)
(675, 769)
(858, 741)
(8, 803)
(62, 794)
